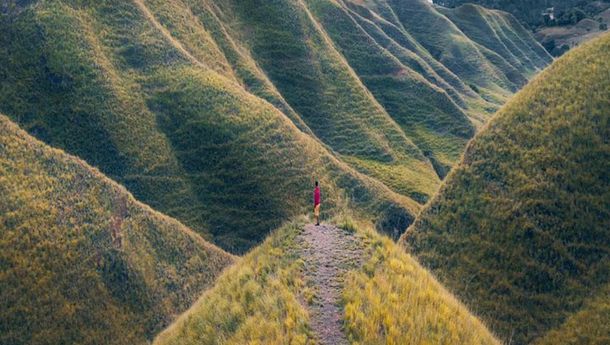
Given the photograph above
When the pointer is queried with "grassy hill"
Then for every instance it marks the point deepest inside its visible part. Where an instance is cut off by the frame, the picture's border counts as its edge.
(81, 261)
(218, 113)
(495, 32)
(530, 12)
(558, 25)
(520, 229)
(266, 298)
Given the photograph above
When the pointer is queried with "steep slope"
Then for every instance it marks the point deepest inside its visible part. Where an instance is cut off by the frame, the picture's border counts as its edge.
(117, 91)
(424, 111)
(449, 45)
(199, 107)
(81, 261)
(291, 289)
(520, 229)
(425, 98)
(296, 53)
(494, 31)
(415, 90)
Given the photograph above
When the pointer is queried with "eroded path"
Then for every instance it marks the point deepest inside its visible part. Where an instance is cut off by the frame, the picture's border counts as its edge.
(329, 252)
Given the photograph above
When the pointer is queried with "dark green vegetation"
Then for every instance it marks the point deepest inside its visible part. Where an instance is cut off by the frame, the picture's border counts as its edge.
(218, 113)
(532, 12)
(520, 229)
(558, 24)
(587, 326)
(82, 262)
(559, 39)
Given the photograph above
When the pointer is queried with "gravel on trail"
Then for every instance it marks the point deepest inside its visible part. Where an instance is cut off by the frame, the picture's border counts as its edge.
(328, 252)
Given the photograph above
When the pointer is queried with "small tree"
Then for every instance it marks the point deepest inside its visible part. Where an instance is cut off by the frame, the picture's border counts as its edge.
(549, 45)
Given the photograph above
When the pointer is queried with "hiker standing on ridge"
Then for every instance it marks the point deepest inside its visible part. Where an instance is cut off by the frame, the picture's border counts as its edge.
(316, 203)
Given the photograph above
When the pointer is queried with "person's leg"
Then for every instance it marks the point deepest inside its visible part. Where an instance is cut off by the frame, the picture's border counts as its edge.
(316, 214)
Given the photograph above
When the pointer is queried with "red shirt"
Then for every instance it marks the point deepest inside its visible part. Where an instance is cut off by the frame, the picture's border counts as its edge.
(316, 196)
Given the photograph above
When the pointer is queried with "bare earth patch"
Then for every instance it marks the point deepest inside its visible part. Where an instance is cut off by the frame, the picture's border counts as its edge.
(328, 252)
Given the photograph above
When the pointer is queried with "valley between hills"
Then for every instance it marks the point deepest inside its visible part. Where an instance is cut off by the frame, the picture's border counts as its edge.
(157, 160)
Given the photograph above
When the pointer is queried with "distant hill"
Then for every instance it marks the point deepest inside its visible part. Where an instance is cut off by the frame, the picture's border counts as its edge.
(559, 39)
(81, 261)
(531, 11)
(220, 113)
(519, 231)
(559, 25)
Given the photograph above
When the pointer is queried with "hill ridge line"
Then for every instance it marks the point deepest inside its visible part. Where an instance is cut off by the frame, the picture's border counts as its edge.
(327, 252)
(168, 36)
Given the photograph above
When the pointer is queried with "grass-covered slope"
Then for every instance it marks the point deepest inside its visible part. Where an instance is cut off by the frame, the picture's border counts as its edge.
(351, 43)
(495, 31)
(520, 229)
(266, 299)
(391, 299)
(424, 111)
(218, 113)
(300, 59)
(105, 82)
(255, 301)
(81, 261)
(448, 44)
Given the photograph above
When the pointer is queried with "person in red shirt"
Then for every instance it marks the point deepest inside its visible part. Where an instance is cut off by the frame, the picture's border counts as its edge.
(316, 203)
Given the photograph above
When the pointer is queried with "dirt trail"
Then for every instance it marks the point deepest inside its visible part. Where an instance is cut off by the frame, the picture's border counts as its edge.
(329, 252)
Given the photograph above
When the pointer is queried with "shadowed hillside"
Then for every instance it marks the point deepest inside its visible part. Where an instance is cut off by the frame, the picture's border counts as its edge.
(218, 113)
(520, 229)
(587, 326)
(81, 261)
(274, 296)
(535, 13)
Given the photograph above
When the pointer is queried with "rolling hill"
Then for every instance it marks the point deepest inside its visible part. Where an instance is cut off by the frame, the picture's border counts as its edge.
(519, 231)
(218, 113)
(559, 39)
(531, 12)
(81, 261)
(558, 25)
(269, 297)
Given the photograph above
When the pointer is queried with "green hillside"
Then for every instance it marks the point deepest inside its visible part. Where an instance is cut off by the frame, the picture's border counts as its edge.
(448, 44)
(268, 298)
(81, 261)
(494, 31)
(587, 326)
(558, 25)
(218, 113)
(531, 11)
(520, 229)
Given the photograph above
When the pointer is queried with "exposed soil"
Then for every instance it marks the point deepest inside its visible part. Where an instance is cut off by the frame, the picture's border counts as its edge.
(329, 252)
